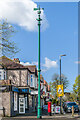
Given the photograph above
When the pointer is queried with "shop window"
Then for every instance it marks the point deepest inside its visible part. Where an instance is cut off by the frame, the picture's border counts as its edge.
(26, 106)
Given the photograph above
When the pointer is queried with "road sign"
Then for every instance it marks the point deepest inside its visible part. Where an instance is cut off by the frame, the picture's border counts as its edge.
(60, 91)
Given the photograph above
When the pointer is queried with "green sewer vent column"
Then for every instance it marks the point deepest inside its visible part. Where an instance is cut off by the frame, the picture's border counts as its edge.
(39, 70)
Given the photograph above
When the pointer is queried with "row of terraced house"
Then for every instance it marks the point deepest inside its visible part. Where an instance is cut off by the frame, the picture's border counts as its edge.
(19, 88)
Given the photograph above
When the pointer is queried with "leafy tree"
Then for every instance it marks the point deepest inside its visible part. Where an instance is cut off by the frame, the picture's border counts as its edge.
(53, 84)
(76, 87)
(56, 81)
(70, 97)
(7, 46)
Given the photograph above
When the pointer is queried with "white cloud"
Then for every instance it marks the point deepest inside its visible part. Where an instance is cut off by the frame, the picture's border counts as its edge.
(49, 63)
(35, 63)
(45, 67)
(21, 12)
(28, 63)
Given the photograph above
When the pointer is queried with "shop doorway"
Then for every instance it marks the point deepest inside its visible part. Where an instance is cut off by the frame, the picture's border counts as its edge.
(21, 105)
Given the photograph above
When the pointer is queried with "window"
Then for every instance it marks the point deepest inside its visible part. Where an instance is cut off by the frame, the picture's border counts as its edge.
(36, 82)
(0, 75)
(31, 80)
(4, 75)
(28, 79)
(26, 106)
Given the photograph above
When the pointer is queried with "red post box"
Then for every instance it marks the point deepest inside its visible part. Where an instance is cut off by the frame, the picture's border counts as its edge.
(49, 108)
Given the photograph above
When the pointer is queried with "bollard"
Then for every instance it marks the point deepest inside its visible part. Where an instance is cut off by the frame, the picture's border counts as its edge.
(72, 111)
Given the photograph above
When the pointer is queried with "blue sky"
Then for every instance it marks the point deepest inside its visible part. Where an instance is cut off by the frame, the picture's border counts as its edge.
(59, 37)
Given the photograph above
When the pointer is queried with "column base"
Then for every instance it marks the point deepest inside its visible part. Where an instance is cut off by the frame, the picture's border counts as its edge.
(40, 117)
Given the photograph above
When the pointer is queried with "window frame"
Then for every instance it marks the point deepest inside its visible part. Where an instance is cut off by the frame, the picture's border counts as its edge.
(3, 74)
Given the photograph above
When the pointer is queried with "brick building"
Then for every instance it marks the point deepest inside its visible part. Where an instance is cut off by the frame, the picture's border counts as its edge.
(16, 84)
(19, 87)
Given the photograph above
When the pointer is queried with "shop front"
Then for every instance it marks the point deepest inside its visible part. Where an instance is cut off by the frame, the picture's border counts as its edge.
(18, 100)
(21, 99)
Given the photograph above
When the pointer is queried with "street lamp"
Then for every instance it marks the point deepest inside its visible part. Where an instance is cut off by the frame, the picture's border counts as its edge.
(61, 80)
(39, 70)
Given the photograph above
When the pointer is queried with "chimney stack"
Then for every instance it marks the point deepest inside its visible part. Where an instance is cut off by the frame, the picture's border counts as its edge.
(16, 60)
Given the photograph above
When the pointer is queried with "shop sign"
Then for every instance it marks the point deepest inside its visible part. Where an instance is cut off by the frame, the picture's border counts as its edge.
(20, 90)
(15, 101)
(15, 89)
(34, 92)
(57, 109)
(52, 109)
(24, 90)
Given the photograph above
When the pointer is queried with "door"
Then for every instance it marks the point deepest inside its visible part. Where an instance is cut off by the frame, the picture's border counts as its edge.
(21, 105)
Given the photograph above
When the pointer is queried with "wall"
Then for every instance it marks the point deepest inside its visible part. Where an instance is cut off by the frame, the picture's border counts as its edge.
(13, 75)
(6, 102)
(24, 77)
(18, 77)
(1, 111)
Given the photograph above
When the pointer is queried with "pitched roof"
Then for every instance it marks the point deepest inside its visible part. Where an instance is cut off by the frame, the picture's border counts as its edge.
(32, 68)
(9, 64)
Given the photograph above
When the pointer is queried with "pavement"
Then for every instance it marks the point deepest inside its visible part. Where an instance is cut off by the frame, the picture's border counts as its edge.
(45, 116)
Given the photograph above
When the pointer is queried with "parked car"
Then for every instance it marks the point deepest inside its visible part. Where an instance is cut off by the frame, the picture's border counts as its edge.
(67, 106)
